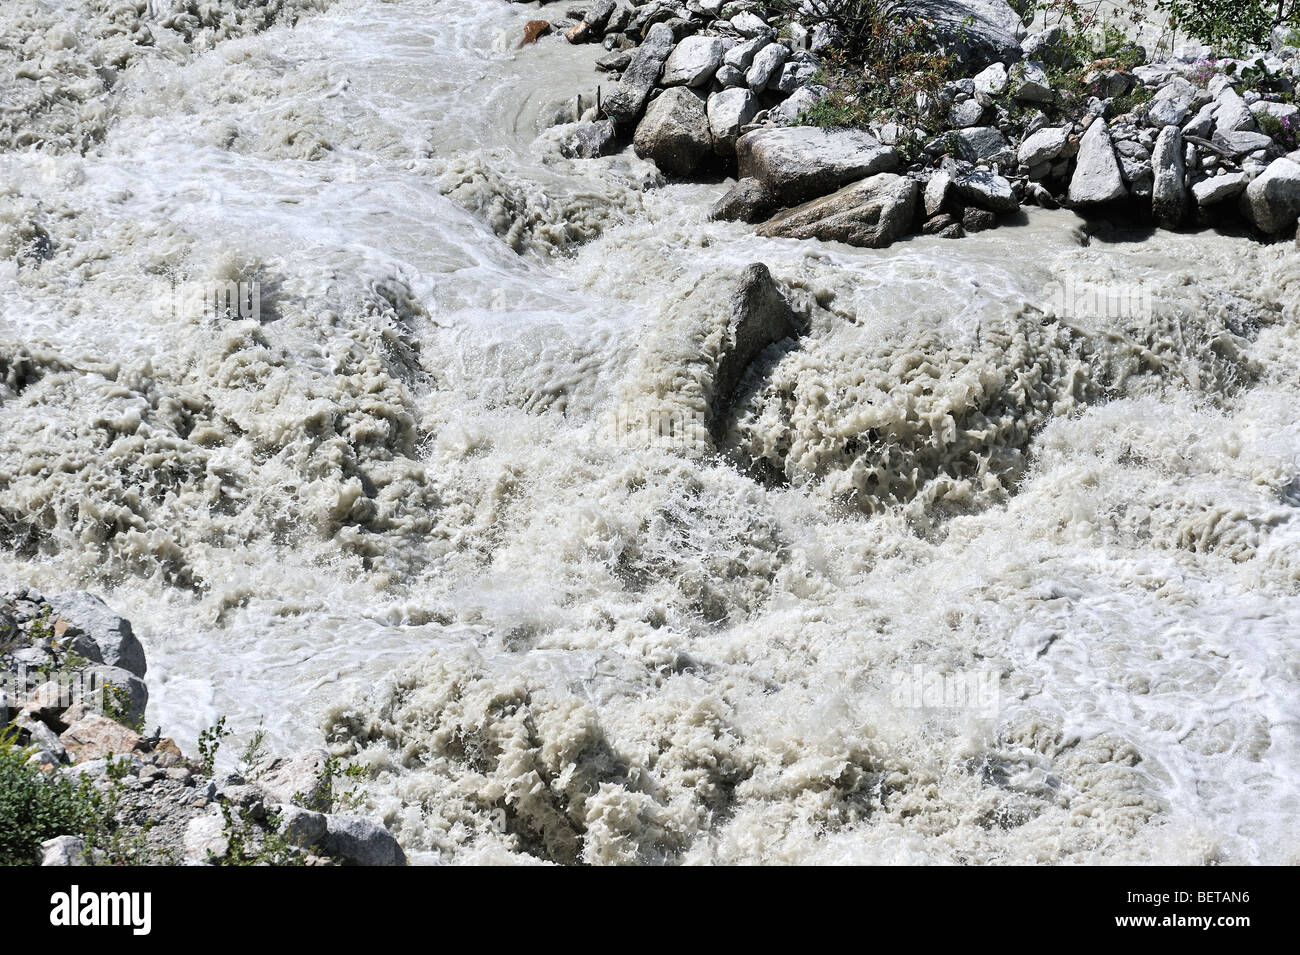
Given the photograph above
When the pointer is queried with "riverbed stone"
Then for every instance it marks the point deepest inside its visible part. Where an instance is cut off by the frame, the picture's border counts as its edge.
(675, 132)
(798, 163)
(1097, 178)
(872, 213)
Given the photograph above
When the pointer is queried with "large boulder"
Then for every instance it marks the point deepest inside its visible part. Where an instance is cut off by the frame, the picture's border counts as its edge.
(871, 213)
(747, 201)
(987, 190)
(95, 737)
(693, 61)
(1169, 202)
(798, 163)
(97, 634)
(1044, 145)
(979, 143)
(360, 841)
(675, 132)
(802, 100)
(1272, 201)
(1097, 178)
(1217, 189)
(760, 316)
(978, 31)
(624, 105)
(766, 63)
(728, 112)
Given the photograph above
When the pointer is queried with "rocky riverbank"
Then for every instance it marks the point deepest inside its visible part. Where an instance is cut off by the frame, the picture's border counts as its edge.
(708, 89)
(73, 694)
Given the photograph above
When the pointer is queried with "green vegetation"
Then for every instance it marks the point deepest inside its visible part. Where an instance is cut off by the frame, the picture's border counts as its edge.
(210, 741)
(34, 807)
(1230, 25)
(248, 844)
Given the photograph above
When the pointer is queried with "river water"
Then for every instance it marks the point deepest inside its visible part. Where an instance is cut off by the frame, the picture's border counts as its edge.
(997, 563)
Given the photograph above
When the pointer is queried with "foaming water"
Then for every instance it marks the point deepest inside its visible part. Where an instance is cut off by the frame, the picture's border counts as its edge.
(969, 574)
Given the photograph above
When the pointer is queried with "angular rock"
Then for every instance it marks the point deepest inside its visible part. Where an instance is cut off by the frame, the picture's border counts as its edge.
(533, 30)
(1202, 124)
(627, 100)
(977, 220)
(1169, 205)
(1232, 115)
(94, 737)
(693, 61)
(766, 62)
(728, 111)
(205, 837)
(987, 190)
(588, 140)
(1172, 104)
(64, 851)
(297, 780)
(675, 132)
(729, 76)
(966, 114)
(1239, 143)
(980, 143)
(747, 201)
(1097, 178)
(937, 190)
(759, 317)
(742, 54)
(993, 79)
(979, 31)
(802, 100)
(98, 634)
(871, 213)
(1216, 189)
(301, 827)
(748, 24)
(360, 841)
(799, 162)
(125, 695)
(1272, 201)
(1029, 83)
(1044, 145)
(793, 75)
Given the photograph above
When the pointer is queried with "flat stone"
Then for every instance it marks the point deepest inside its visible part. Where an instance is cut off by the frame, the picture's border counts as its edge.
(1216, 189)
(797, 163)
(872, 213)
(987, 190)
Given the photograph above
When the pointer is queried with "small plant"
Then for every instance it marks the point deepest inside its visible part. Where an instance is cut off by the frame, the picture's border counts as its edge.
(1285, 131)
(117, 707)
(328, 796)
(250, 844)
(254, 753)
(210, 741)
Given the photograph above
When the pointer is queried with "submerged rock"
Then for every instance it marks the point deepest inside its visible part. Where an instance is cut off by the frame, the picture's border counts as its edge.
(760, 316)
(747, 201)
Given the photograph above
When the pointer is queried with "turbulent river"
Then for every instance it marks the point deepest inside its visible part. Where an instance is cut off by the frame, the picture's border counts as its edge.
(978, 570)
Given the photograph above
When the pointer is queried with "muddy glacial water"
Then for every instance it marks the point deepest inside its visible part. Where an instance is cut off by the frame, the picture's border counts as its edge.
(1000, 562)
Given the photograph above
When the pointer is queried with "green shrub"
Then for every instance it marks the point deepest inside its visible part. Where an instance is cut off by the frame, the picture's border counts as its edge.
(34, 808)
(1229, 25)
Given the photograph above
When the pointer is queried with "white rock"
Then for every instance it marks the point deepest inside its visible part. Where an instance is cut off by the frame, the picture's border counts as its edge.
(992, 79)
(728, 111)
(693, 61)
(766, 62)
(63, 850)
(742, 54)
(1097, 176)
(749, 24)
(1168, 189)
(1272, 201)
(1044, 145)
(1218, 189)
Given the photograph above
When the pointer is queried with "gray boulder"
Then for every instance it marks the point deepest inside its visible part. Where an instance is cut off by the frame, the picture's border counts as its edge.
(797, 163)
(729, 76)
(98, 634)
(766, 62)
(301, 827)
(1272, 201)
(64, 851)
(1169, 203)
(965, 114)
(1044, 145)
(793, 74)
(360, 841)
(693, 61)
(978, 31)
(992, 80)
(1172, 104)
(987, 190)
(802, 100)
(747, 201)
(980, 143)
(587, 140)
(871, 213)
(742, 54)
(1029, 83)
(728, 111)
(1217, 189)
(1237, 143)
(1097, 178)
(1232, 115)
(627, 100)
(675, 132)
(759, 317)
